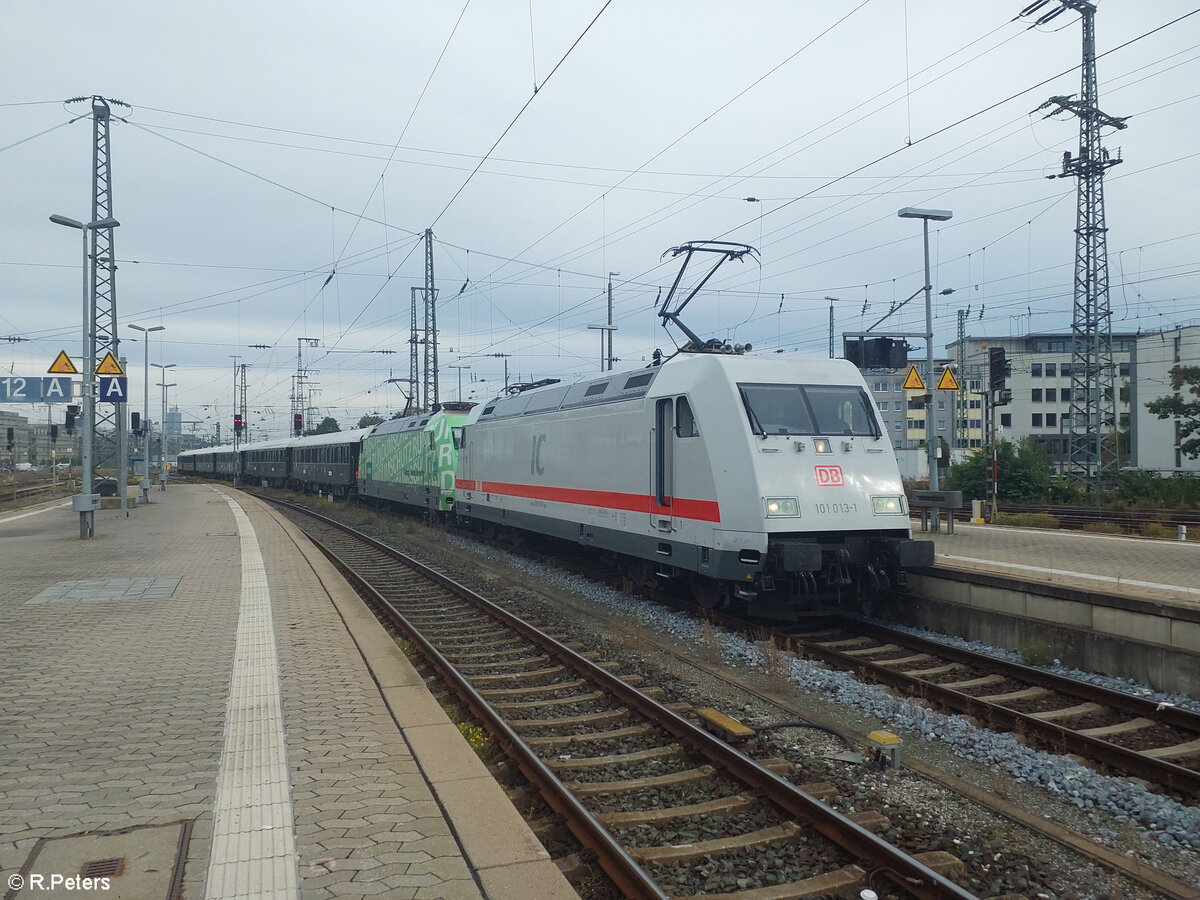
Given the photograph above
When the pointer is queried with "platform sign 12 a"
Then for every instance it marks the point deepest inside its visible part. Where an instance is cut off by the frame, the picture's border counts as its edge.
(18, 389)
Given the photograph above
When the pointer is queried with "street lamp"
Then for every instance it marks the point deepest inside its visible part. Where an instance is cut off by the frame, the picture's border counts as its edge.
(832, 300)
(611, 326)
(938, 215)
(460, 368)
(162, 441)
(146, 408)
(86, 502)
(603, 328)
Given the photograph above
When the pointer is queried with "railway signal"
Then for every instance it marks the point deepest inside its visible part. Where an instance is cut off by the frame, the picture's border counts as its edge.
(999, 368)
(297, 424)
(72, 413)
(135, 423)
(238, 424)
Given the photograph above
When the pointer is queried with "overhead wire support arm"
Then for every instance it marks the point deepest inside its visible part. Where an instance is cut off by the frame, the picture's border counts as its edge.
(725, 250)
(899, 306)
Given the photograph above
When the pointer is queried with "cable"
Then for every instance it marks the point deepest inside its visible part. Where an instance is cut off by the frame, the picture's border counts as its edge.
(520, 112)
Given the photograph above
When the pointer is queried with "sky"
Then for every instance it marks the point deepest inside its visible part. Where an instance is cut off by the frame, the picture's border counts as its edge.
(276, 166)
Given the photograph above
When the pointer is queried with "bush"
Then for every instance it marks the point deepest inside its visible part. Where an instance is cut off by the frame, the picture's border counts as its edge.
(1158, 530)
(1102, 528)
(1037, 655)
(1026, 520)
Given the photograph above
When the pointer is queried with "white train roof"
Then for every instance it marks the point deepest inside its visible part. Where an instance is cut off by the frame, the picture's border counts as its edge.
(333, 437)
(224, 448)
(678, 371)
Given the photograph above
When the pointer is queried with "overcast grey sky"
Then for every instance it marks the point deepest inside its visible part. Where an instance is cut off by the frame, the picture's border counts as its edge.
(272, 144)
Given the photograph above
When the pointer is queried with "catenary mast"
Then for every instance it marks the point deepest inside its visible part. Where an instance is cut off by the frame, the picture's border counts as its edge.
(1092, 442)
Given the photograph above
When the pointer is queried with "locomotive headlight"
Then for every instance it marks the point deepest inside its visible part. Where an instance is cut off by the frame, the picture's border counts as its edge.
(782, 506)
(888, 506)
(821, 445)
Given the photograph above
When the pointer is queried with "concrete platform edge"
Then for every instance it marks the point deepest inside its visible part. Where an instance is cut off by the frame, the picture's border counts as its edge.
(508, 859)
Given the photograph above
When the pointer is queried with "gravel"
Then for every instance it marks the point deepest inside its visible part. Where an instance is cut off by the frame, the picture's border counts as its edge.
(1125, 685)
(1164, 820)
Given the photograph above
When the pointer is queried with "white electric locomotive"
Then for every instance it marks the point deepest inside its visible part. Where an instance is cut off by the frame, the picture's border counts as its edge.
(760, 480)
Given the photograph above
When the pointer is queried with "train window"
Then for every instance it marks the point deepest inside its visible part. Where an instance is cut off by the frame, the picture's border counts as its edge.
(596, 389)
(637, 381)
(808, 409)
(685, 422)
(458, 432)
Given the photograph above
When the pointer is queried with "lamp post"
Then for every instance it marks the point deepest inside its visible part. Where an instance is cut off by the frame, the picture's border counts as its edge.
(146, 407)
(611, 326)
(938, 215)
(460, 368)
(603, 328)
(86, 501)
(832, 300)
(162, 441)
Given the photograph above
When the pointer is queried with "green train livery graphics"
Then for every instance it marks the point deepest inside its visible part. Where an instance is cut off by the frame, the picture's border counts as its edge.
(412, 460)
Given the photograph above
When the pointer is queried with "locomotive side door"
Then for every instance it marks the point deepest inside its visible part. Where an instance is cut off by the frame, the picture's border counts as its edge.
(662, 487)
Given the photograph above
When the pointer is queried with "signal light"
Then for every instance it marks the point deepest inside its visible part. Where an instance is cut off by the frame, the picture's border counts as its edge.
(11, 437)
(135, 423)
(72, 412)
(998, 368)
(54, 434)
(297, 424)
(237, 424)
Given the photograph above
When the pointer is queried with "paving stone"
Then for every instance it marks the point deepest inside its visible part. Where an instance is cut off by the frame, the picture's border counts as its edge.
(120, 680)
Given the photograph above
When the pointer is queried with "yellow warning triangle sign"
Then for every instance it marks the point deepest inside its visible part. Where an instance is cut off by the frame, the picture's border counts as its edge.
(913, 382)
(948, 382)
(109, 366)
(62, 365)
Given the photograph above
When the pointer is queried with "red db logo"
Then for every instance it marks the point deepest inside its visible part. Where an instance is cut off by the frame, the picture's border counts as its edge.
(829, 476)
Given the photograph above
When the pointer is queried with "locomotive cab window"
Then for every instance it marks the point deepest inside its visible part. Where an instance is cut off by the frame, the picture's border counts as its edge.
(685, 422)
(786, 409)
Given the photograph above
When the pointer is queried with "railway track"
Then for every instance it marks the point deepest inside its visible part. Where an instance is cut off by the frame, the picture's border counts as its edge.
(16, 492)
(1130, 522)
(626, 772)
(1124, 734)
(1134, 737)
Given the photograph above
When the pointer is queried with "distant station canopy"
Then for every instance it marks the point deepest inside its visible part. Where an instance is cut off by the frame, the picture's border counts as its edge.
(876, 353)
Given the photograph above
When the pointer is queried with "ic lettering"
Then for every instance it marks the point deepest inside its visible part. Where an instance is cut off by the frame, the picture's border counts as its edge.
(535, 458)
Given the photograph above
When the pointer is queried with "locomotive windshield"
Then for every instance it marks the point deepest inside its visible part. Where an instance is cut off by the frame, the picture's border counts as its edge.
(808, 409)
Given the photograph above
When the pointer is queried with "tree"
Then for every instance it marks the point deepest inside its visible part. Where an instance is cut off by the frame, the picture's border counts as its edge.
(328, 425)
(1186, 411)
(1026, 475)
(368, 420)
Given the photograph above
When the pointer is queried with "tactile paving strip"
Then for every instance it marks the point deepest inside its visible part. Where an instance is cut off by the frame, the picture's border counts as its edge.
(254, 841)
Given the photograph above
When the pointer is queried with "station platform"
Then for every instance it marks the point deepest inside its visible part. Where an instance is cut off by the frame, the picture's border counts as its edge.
(1152, 569)
(194, 703)
(1122, 606)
